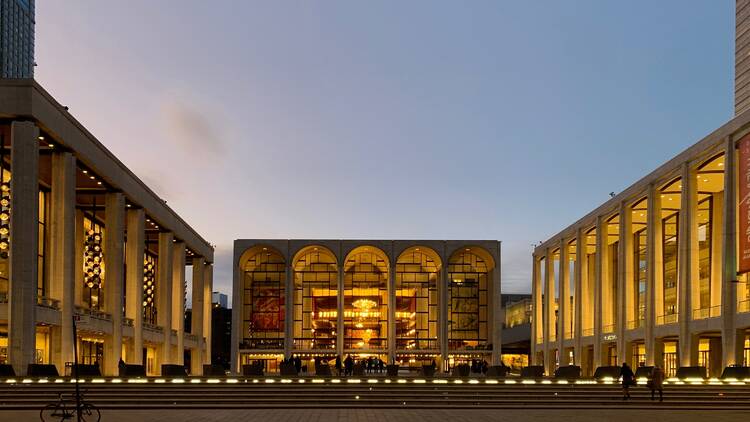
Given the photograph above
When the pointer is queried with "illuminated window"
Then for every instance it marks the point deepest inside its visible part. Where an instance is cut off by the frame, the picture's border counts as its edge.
(469, 276)
(264, 279)
(417, 276)
(315, 299)
(366, 299)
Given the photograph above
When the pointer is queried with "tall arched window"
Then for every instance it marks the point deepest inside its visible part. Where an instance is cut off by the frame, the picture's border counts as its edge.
(264, 276)
(470, 275)
(315, 299)
(417, 278)
(366, 299)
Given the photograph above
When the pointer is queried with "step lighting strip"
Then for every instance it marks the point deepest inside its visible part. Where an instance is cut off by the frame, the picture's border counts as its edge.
(604, 381)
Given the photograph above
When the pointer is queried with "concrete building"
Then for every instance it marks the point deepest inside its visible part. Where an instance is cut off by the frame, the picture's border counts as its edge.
(80, 234)
(16, 38)
(409, 301)
(658, 274)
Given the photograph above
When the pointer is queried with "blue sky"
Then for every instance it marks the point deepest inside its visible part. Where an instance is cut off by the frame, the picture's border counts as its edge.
(390, 119)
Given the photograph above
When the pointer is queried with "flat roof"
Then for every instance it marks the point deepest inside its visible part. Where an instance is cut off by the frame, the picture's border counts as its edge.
(703, 149)
(25, 99)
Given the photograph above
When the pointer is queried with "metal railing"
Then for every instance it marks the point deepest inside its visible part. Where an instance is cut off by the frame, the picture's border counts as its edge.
(152, 327)
(4, 297)
(93, 313)
(637, 323)
(609, 328)
(417, 344)
(47, 302)
(260, 343)
(588, 332)
(127, 322)
(743, 306)
(710, 312)
(667, 319)
(191, 337)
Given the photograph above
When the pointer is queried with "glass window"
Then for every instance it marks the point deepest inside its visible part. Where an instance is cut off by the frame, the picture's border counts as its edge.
(264, 279)
(315, 300)
(93, 261)
(417, 275)
(670, 245)
(469, 278)
(366, 299)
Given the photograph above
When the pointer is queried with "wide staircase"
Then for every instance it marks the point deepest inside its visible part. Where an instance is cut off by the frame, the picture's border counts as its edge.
(415, 393)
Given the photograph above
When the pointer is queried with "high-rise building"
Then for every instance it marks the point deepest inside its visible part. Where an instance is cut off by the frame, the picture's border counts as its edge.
(219, 300)
(16, 39)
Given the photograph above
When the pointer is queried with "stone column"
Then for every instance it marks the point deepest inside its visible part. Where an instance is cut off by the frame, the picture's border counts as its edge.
(392, 309)
(340, 311)
(654, 267)
(600, 283)
(289, 308)
(178, 300)
(114, 240)
(497, 311)
(563, 307)
(687, 261)
(625, 277)
(134, 250)
(24, 245)
(164, 293)
(62, 248)
(444, 299)
(580, 272)
(536, 298)
(208, 286)
(196, 318)
(730, 347)
(549, 317)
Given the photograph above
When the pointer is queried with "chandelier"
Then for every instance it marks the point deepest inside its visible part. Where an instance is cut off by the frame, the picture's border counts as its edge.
(92, 251)
(149, 281)
(364, 304)
(4, 218)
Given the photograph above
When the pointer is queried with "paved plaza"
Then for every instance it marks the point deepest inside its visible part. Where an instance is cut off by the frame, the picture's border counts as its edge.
(396, 415)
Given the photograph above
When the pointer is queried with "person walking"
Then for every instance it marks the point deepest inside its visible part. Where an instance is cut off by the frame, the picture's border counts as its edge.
(657, 383)
(348, 365)
(338, 365)
(628, 378)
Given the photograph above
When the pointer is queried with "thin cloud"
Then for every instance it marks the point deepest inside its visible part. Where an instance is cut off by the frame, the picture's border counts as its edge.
(193, 131)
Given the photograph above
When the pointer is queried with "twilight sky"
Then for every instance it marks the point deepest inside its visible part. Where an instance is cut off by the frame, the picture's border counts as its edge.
(422, 119)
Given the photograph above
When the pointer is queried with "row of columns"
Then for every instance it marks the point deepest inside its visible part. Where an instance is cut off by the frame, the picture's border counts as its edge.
(688, 273)
(65, 254)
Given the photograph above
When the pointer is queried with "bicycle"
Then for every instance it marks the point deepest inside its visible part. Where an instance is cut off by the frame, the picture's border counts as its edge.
(66, 409)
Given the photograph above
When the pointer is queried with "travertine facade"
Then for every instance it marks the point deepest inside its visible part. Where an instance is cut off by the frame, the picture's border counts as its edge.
(87, 237)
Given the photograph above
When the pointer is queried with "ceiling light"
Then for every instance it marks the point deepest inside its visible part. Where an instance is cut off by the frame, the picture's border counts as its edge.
(41, 138)
(50, 145)
(85, 171)
(98, 183)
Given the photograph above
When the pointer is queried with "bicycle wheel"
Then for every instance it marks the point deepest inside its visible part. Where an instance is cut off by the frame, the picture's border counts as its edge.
(90, 413)
(51, 412)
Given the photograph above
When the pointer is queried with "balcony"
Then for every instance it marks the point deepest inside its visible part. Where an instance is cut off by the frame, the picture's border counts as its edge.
(153, 328)
(667, 319)
(609, 328)
(4, 297)
(261, 343)
(47, 302)
(417, 344)
(711, 312)
(93, 313)
(588, 332)
(637, 323)
(743, 306)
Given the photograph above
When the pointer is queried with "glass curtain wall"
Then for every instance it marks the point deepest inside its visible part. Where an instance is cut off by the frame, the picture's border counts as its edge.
(639, 222)
(417, 277)
(366, 299)
(315, 299)
(670, 209)
(264, 277)
(469, 277)
(710, 185)
(93, 262)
